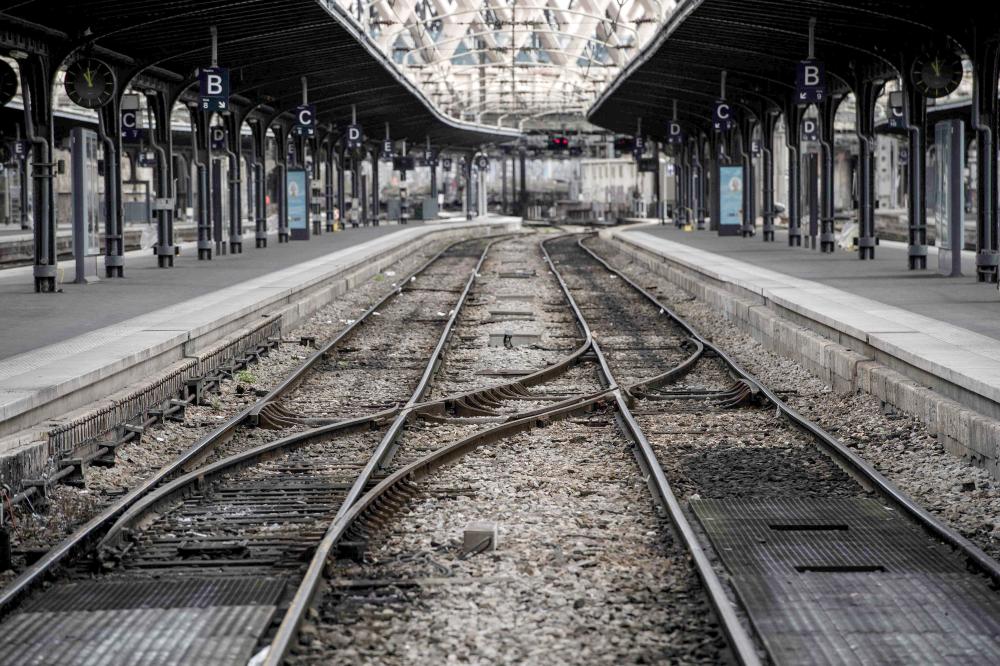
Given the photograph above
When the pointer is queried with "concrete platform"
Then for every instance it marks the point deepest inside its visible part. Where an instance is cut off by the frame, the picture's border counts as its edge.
(63, 351)
(923, 343)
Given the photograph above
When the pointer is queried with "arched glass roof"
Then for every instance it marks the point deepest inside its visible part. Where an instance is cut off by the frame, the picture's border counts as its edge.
(505, 61)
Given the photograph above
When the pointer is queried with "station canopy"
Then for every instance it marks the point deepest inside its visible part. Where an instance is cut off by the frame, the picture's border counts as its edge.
(759, 44)
(505, 62)
(266, 44)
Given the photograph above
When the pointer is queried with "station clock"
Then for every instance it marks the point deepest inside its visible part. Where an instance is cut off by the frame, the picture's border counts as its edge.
(937, 73)
(8, 83)
(90, 83)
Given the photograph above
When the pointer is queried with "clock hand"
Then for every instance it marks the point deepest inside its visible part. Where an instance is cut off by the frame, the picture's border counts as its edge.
(936, 66)
(88, 76)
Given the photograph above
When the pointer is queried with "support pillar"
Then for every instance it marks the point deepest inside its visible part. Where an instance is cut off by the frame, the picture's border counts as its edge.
(109, 132)
(916, 204)
(468, 186)
(159, 105)
(827, 113)
(865, 95)
(341, 184)
(234, 122)
(281, 166)
(259, 133)
(523, 197)
(793, 131)
(200, 137)
(37, 77)
(376, 200)
(985, 69)
(328, 196)
(767, 126)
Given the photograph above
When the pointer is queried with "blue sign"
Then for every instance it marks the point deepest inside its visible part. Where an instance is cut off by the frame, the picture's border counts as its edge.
(446, 164)
(387, 150)
(305, 120)
(430, 158)
(730, 198)
(810, 82)
(722, 117)
(213, 88)
(904, 156)
(810, 129)
(147, 159)
(218, 134)
(21, 149)
(130, 126)
(896, 113)
(675, 133)
(355, 137)
(482, 162)
(297, 203)
(755, 148)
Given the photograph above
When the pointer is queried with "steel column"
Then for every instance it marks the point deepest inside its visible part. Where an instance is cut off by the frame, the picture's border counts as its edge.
(985, 70)
(827, 113)
(158, 106)
(376, 200)
(793, 137)
(916, 113)
(199, 135)
(865, 95)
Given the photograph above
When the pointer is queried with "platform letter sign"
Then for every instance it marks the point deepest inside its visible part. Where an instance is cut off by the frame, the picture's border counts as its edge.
(218, 135)
(446, 164)
(810, 82)
(296, 204)
(722, 118)
(810, 129)
(305, 120)
(896, 112)
(20, 149)
(387, 150)
(482, 162)
(730, 200)
(130, 126)
(430, 158)
(213, 88)
(640, 148)
(755, 148)
(354, 136)
(675, 133)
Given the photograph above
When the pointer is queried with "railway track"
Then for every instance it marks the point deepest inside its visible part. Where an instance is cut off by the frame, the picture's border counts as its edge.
(828, 560)
(212, 523)
(272, 518)
(815, 541)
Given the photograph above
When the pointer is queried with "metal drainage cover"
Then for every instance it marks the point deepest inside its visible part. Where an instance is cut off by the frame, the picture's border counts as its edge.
(850, 581)
(143, 622)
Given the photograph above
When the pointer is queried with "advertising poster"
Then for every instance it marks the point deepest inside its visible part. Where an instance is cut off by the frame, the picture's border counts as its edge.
(730, 199)
(296, 204)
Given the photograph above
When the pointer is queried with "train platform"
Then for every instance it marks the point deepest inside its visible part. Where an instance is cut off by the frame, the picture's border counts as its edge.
(925, 330)
(65, 350)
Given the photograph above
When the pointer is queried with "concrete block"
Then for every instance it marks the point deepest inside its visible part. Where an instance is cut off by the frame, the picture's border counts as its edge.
(479, 536)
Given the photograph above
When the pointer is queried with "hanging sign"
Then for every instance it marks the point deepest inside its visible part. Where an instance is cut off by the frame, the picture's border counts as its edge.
(810, 82)
(130, 118)
(896, 113)
(648, 164)
(147, 158)
(305, 120)
(810, 129)
(675, 133)
(446, 164)
(21, 149)
(482, 162)
(430, 158)
(755, 148)
(355, 137)
(218, 135)
(213, 88)
(387, 150)
(722, 116)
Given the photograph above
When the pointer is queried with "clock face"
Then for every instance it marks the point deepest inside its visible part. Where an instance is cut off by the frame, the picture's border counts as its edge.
(8, 83)
(937, 74)
(89, 83)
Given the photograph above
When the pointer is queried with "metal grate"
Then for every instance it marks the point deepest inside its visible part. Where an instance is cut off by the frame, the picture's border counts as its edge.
(143, 622)
(850, 581)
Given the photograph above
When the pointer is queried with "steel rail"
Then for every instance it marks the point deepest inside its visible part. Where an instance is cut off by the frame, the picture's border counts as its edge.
(294, 616)
(87, 534)
(742, 645)
(854, 464)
